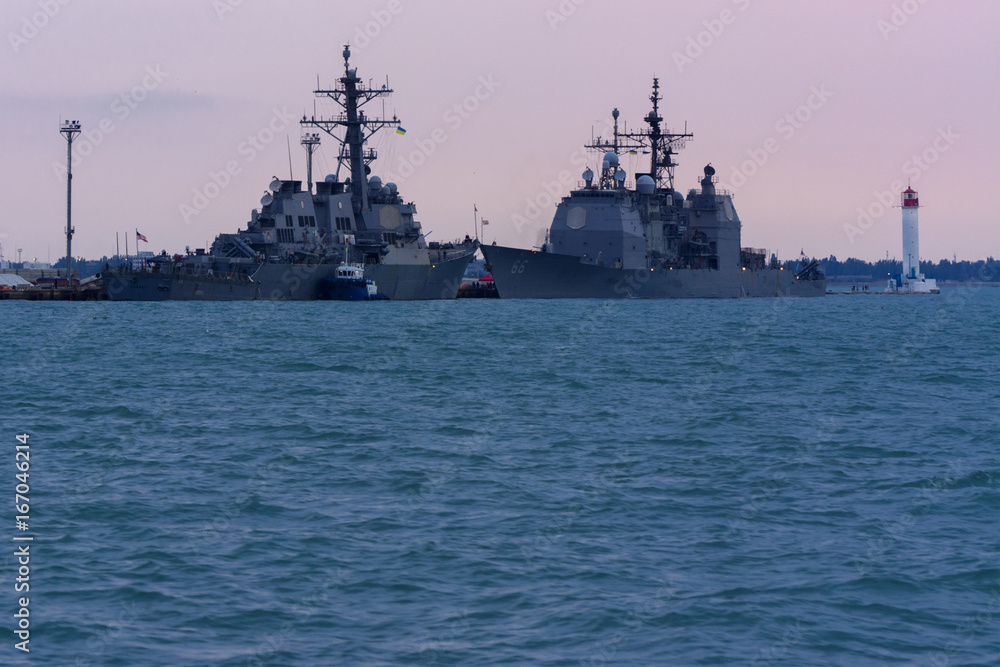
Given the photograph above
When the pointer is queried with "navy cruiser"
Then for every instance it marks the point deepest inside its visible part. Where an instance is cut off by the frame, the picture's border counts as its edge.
(299, 238)
(611, 239)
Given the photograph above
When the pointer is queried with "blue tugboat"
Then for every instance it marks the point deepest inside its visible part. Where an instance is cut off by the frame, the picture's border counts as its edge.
(349, 284)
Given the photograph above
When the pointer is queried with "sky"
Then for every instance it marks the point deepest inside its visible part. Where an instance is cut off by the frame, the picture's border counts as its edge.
(814, 115)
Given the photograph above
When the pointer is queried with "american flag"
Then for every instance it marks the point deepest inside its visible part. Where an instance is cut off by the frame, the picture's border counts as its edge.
(140, 237)
(486, 222)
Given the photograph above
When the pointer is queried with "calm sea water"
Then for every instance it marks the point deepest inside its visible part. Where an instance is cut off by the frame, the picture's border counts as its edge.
(755, 482)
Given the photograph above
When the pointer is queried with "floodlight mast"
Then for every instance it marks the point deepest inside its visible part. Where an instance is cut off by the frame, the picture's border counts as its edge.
(70, 129)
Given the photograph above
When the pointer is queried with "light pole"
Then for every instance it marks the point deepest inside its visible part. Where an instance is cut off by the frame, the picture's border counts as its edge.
(69, 129)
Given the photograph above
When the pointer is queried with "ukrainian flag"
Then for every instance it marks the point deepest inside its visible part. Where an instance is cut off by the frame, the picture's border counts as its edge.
(400, 130)
(633, 153)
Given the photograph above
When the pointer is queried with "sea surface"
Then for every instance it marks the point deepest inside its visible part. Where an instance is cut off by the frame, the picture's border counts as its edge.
(755, 482)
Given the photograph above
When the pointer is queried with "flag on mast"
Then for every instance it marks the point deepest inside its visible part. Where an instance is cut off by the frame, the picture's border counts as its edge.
(485, 222)
(140, 237)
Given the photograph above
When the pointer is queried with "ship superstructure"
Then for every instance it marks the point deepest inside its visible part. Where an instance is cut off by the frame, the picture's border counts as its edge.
(612, 238)
(299, 237)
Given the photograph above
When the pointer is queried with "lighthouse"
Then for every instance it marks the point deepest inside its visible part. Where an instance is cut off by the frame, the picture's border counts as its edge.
(911, 241)
(911, 280)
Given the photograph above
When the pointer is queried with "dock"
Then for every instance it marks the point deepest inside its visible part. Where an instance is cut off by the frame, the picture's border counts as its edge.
(87, 293)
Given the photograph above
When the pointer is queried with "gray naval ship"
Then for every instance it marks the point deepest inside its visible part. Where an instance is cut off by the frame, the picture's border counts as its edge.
(609, 240)
(299, 237)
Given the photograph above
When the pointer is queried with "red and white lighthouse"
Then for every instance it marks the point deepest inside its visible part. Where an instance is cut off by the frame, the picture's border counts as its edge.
(911, 242)
(911, 281)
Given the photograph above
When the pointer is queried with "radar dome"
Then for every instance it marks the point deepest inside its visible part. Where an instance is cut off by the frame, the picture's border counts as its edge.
(693, 192)
(392, 188)
(678, 199)
(384, 191)
(620, 175)
(710, 170)
(330, 178)
(611, 159)
(375, 183)
(645, 185)
(275, 185)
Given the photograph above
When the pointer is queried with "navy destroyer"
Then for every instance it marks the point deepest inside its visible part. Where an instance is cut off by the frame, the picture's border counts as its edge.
(612, 239)
(299, 238)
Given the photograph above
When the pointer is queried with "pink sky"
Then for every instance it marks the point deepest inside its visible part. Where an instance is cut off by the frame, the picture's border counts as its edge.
(808, 111)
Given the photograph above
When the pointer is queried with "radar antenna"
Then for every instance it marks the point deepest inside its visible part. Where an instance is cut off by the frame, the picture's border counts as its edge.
(615, 145)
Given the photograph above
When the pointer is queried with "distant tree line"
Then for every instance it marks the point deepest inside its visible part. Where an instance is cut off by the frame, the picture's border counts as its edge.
(987, 270)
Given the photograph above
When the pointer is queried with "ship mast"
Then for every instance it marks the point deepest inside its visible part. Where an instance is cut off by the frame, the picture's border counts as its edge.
(662, 142)
(310, 141)
(615, 145)
(351, 95)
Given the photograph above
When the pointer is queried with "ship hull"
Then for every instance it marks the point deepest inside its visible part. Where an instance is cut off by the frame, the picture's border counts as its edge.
(529, 274)
(272, 282)
(287, 282)
(419, 282)
(125, 286)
